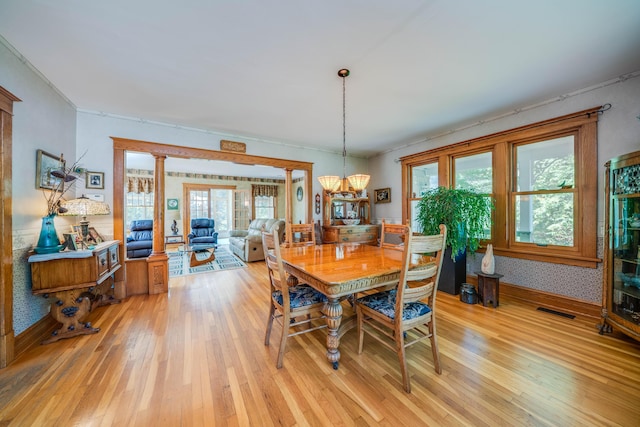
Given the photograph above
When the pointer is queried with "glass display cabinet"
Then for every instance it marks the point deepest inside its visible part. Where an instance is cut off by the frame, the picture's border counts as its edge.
(621, 275)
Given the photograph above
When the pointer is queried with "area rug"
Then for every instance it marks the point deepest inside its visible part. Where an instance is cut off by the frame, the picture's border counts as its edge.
(225, 260)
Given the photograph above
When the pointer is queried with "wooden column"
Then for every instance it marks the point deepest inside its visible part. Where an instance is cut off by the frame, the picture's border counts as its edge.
(7, 334)
(287, 203)
(119, 287)
(158, 261)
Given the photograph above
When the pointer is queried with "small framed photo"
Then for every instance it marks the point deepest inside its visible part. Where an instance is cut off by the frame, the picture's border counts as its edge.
(94, 236)
(45, 164)
(382, 195)
(95, 180)
(71, 241)
(172, 204)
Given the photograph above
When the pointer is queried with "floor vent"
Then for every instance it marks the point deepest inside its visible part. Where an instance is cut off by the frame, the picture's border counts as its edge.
(559, 313)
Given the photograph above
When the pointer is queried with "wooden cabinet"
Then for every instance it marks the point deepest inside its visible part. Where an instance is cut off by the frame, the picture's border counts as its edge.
(621, 275)
(350, 233)
(76, 282)
(340, 211)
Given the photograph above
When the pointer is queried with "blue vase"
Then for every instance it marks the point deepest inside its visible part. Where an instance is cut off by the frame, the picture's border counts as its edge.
(48, 242)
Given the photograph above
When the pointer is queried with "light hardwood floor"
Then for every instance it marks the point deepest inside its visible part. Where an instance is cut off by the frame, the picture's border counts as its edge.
(196, 357)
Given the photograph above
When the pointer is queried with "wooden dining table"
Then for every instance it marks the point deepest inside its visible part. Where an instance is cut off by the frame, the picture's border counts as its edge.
(339, 270)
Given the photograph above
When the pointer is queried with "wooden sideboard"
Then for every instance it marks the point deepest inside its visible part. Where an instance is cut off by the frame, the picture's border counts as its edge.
(351, 233)
(336, 227)
(76, 282)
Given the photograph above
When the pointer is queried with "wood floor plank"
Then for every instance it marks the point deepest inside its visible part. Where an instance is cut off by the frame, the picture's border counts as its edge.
(196, 357)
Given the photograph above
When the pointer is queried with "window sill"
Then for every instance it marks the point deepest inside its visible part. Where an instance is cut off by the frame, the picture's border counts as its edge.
(554, 258)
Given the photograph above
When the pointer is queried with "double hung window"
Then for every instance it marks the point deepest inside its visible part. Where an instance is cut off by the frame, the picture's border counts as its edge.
(541, 177)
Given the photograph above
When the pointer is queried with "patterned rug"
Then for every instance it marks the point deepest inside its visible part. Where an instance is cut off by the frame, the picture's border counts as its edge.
(225, 260)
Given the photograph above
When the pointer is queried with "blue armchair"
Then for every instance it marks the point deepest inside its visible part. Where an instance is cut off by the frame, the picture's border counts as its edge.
(140, 240)
(203, 231)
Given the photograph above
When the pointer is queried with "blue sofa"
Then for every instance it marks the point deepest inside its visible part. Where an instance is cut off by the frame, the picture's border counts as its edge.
(140, 240)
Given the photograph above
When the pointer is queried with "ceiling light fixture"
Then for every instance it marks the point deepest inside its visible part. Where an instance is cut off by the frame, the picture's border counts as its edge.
(332, 183)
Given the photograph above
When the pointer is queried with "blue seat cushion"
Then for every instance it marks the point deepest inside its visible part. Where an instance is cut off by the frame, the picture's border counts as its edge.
(300, 296)
(385, 302)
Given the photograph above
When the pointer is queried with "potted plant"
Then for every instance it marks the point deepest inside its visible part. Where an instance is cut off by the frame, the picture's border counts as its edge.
(467, 215)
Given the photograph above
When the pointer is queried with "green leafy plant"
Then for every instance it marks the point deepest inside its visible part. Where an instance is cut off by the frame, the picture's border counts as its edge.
(466, 213)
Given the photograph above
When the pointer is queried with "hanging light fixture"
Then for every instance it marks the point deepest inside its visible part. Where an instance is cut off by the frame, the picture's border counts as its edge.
(332, 182)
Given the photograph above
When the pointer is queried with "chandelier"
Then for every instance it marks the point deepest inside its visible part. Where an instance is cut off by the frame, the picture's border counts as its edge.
(333, 183)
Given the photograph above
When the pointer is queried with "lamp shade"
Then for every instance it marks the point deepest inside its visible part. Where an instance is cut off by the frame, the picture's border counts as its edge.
(84, 207)
(359, 181)
(329, 182)
(173, 215)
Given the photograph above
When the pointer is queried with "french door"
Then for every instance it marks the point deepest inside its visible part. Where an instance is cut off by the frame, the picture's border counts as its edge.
(230, 208)
(210, 201)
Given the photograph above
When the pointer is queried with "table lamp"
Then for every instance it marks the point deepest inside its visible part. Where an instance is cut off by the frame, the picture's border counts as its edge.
(83, 207)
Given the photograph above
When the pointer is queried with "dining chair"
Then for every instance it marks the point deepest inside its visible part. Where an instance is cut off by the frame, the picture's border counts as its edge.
(403, 316)
(289, 303)
(392, 235)
(301, 235)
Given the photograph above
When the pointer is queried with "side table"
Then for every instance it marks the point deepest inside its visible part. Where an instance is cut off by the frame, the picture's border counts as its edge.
(489, 288)
(76, 282)
(173, 239)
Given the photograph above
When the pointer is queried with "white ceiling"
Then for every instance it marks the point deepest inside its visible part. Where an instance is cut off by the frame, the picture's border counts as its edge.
(268, 69)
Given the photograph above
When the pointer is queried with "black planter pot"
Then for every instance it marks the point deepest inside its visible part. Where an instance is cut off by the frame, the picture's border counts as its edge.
(454, 273)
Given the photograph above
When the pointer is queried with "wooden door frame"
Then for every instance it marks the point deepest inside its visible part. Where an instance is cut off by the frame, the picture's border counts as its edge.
(122, 145)
(187, 187)
(7, 334)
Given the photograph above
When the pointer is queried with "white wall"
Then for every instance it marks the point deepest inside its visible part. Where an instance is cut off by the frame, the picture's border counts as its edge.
(618, 133)
(94, 132)
(43, 120)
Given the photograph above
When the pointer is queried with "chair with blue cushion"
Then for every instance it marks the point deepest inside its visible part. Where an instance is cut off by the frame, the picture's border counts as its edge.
(404, 316)
(203, 231)
(140, 238)
(288, 303)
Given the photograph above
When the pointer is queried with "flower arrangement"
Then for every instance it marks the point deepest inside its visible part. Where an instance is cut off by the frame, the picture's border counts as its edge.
(65, 178)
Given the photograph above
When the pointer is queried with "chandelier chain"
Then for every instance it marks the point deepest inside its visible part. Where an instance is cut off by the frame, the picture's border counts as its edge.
(344, 130)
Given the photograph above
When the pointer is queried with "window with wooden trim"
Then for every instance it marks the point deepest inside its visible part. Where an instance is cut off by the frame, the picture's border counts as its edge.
(542, 178)
(475, 172)
(264, 206)
(423, 178)
(138, 206)
(544, 194)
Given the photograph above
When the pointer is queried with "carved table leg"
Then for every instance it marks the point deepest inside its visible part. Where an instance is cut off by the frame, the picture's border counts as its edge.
(102, 294)
(333, 311)
(69, 309)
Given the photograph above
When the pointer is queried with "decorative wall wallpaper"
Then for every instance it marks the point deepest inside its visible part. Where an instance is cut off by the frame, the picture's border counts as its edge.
(573, 282)
(27, 308)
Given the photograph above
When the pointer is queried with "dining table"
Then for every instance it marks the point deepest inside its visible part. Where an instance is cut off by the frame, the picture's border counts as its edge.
(339, 270)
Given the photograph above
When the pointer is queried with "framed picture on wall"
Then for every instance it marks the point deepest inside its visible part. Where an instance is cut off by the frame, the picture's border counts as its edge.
(172, 204)
(382, 195)
(45, 163)
(95, 180)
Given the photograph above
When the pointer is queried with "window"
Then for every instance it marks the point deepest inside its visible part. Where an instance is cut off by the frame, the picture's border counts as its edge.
(542, 178)
(475, 172)
(544, 196)
(138, 206)
(423, 178)
(265, 207)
